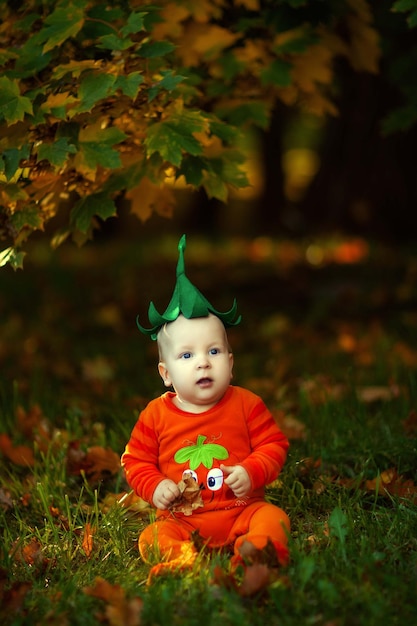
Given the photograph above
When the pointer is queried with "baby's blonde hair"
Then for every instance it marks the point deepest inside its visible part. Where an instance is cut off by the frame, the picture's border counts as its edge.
(163, 337)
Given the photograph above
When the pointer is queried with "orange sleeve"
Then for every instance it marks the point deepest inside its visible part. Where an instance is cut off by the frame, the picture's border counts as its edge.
(269, 446)
(140, 458)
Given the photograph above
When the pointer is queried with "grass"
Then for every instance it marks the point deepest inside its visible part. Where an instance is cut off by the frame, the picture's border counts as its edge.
(333, 351)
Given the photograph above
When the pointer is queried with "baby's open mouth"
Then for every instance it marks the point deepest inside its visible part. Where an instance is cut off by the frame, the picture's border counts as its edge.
(204, 382)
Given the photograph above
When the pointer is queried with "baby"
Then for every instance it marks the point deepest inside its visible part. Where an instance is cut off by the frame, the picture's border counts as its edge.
(217, 439)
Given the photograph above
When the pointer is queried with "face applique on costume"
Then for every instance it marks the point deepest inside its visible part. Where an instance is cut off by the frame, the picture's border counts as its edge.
(203, 456)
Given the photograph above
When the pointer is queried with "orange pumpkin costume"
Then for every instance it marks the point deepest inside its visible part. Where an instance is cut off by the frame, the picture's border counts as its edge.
(167, 442)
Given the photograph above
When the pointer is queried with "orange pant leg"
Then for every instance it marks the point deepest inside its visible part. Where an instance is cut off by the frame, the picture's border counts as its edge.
(166, 539)
(262, 522)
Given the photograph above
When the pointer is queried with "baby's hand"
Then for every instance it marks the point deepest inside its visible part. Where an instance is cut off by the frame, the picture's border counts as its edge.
(237, 479)
(165, 494)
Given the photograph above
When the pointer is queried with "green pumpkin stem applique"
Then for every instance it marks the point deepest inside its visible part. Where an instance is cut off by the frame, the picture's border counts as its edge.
(186, 300)
(201, 453)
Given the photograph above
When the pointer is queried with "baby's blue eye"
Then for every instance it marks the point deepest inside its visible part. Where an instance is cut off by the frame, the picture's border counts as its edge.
(214, 351)
(186, 355)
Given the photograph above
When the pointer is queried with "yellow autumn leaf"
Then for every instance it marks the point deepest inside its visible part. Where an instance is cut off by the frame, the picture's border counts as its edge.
(173, 15)
(56, 100)
(251, 5)
(204, 42)
(205, 10)
(147, 198)
(253, 53)
(364, 52)
(312, 68)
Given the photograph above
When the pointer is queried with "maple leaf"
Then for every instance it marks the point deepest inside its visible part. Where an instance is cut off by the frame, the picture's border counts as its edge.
(13, 106)
(201, 453)
(148, 197)
(392, 483)
(57, 152)
(62, 24)
(175, 135)
(86, 208)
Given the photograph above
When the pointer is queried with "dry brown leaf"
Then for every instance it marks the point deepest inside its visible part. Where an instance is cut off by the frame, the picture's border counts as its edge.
(19, 455)
(377, 393)
(410, 424)
(190, 498)
(290, 426)
(6, 501)
(392, 483)
(97, 463)
(120, 611)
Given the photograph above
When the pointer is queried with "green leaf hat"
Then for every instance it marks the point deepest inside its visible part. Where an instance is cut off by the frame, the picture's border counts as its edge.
(186, 300)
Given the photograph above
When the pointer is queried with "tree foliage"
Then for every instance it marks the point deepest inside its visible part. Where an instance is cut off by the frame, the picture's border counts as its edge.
(100, 101)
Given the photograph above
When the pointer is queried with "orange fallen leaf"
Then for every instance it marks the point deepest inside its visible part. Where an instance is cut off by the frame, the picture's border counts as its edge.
(128, 500)
(97, 462)
(390, 482)
(120, 611)
(88, 539)
(19, 455)
(34, 426)
(31, 553)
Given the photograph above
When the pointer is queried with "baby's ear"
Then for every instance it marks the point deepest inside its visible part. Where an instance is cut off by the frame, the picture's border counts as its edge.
(163, 372)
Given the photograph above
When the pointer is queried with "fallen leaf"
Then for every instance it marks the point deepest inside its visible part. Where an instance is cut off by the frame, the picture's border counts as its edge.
(31, 553)
(120, 611)
(128, 500)
(34, 426)
(410, 424)
(97, 462)
(190, 498)
(19, 455)
(377, 394)
(290, 426)
(392, 483)
(12, 598)
(6, 501)
(88, 541)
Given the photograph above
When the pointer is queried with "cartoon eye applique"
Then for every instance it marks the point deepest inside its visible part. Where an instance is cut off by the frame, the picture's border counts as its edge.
(215, 479)
(190, 473)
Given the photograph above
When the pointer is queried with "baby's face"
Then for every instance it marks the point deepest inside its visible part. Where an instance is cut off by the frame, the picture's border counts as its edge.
(196, 361)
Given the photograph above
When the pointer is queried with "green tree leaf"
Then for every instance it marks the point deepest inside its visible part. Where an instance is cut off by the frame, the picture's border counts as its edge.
(63, 23)
(84, 210)
(93, 88)
(11, 160)
(129, 85)
(29, 216)
(96, 147)
(174, 136)
(13, 257)
(57, 152)
(134, 24)
(151, 49)
(277, 73)
(13, 106)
